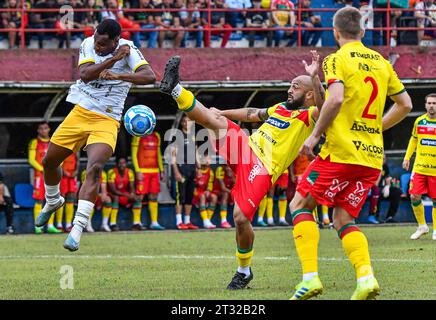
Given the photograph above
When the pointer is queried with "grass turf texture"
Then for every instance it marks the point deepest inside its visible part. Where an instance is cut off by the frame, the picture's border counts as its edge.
(199, 265)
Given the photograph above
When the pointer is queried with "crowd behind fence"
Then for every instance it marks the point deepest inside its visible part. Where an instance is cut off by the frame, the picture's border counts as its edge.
(279, 22)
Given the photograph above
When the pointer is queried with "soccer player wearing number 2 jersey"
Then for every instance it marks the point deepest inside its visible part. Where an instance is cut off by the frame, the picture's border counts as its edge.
(358, 79)
(108, 66)
(259, 160)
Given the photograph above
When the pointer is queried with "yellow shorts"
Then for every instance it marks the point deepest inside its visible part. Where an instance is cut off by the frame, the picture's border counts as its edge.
(83, 127)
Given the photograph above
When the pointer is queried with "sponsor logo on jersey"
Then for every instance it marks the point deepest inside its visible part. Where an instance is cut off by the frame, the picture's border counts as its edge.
(428, 142)
(361, 126)
(275, 122)
(365, 55)
(360, 146)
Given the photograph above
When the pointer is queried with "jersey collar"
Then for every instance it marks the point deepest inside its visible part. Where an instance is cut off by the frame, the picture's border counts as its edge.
(356, 43)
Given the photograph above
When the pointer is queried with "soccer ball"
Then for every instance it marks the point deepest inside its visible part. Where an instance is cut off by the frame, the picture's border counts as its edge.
(139, 121)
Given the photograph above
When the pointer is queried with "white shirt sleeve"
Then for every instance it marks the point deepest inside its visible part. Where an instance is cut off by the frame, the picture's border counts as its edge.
(86, 51)
(135, 58)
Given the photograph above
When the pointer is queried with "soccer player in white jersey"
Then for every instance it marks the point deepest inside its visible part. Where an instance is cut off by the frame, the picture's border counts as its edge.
(108, 66)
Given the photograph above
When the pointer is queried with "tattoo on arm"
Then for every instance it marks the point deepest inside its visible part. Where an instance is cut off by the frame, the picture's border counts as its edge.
(263, 114)
(250, 113)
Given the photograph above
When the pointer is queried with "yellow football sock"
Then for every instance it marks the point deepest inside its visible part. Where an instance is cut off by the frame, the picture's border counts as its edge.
(306, 238)
(244, 257)
(210, 212)
(136, 214)
(186, 100)
(59, 216)
(69, 212)
(269, 208)
(433, 215)
(153, 208)
(114, 215)
(262, 208)
(37, 209)
(51, 220)
(283, 203)
(91, 214)
(106, 212)
(418, 210)
(356, 248)
(223, 215)
(203, 214)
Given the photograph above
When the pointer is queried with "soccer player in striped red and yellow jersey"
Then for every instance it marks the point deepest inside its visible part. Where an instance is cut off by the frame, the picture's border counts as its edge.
(257, 160)
(121, 182)
(68, 187)
(204, 178)
(36, 152)
(102, 202)
(423, 180)
(350, 161)
(224, 180)
(147, 162)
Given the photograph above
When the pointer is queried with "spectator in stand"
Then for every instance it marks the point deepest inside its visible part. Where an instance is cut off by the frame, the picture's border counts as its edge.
(191, 19)
(426, 18)
(91, 17)
(285, 18)
(224, 180)
(6, 205)
(166, 20)
(114, 11)
(385, 188)
(217, 20)
(42, 20)
(147, 21)
(309, 20)
(379, 37)
(259, 19)
(12, 20)
(233, 17)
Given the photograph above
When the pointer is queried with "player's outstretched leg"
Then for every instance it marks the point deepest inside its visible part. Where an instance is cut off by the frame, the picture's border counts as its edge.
(98, 155)
(186, 101)
(306, 239)
(356, 248)
(52, 177)
(244, 250)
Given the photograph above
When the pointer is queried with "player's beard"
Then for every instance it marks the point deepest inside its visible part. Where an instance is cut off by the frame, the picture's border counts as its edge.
(294, 104)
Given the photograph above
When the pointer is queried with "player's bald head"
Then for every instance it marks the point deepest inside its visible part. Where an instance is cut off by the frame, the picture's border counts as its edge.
(305, 81)
(300, 93)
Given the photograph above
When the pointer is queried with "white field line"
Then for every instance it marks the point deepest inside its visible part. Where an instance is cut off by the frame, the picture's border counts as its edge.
(192, 257)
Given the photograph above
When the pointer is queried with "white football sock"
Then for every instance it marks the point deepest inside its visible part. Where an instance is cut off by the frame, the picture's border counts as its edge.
(176, 91)
(187, 219)
(52, 194)
(244, 270)
(309, 276)
(178, 218)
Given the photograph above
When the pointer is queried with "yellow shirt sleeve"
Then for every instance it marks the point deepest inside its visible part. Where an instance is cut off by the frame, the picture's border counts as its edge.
(32, 155)
(131, 176)
(134, 147)
(333, 69)
(159, 154)
(395, 86)
(412, 142)
(219, 173)
(83, 176)
(211, 180)
(111, 176)
(103, 177)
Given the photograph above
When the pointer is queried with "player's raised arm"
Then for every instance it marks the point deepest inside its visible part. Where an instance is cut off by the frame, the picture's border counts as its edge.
(244, 114)
(312, 70)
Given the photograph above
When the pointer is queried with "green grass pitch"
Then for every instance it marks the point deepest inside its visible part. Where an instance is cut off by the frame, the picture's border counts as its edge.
(199, 265)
